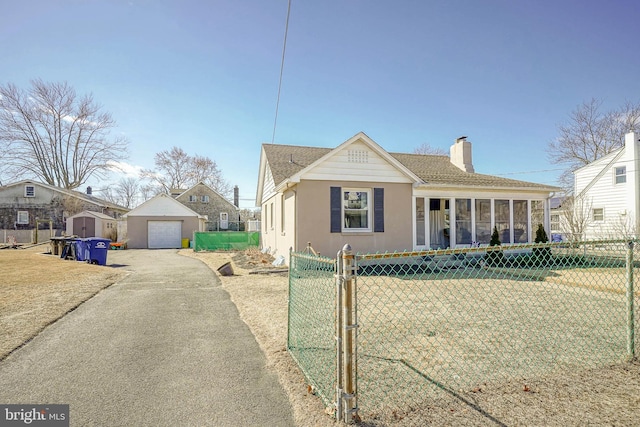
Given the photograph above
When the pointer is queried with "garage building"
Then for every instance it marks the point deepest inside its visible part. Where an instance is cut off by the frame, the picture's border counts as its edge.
(161, 223)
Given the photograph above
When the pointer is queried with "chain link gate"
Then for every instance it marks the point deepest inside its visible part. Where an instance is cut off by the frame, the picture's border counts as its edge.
(422, 323)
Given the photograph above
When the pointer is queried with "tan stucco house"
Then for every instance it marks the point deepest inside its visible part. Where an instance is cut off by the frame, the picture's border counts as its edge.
(360, 194)
(161, 222)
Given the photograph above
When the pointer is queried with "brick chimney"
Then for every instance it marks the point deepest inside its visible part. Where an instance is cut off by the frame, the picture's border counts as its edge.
(460, 154)
(236, 196)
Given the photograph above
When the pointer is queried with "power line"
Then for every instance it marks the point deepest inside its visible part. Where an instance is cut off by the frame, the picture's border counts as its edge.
(284, 48)
(525, 172)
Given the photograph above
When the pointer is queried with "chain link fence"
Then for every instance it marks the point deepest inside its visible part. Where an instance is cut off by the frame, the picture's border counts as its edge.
(457, 320)
(312, 323)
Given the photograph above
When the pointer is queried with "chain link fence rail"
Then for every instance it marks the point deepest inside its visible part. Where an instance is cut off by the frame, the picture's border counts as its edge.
(448, 320)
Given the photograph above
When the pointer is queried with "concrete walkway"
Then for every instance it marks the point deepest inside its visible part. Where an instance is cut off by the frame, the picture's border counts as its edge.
(164, 347)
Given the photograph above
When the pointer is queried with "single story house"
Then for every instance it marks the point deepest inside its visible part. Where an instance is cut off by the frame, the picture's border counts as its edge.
(161, 222)
(374, 200)
(607, 193)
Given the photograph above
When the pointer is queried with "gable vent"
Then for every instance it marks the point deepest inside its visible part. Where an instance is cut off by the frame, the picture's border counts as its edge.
(357, 156)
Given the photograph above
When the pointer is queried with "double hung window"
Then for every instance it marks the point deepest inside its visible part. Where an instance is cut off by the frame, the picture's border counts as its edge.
(356, 209)
(23, 217)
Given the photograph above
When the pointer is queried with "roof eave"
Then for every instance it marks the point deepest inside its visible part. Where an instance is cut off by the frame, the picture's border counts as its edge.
(426, 185)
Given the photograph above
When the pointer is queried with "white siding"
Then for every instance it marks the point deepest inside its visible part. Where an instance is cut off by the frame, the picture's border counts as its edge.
(359, 163)
(162, 206)
(269, 186)
(602, 193)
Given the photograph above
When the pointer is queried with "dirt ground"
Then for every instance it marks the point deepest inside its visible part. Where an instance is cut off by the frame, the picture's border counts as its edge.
(37, 289)
(606, 396)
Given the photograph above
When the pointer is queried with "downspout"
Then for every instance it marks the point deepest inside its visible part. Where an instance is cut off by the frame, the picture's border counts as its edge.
(547, 214)
(295, 220)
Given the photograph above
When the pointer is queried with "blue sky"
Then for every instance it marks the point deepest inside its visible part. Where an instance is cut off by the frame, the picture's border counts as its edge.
(203, 75)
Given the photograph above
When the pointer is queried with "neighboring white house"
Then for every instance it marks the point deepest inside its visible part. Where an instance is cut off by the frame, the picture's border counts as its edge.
(609, 192)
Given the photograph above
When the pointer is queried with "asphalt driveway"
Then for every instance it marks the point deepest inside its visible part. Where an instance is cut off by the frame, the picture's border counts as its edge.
(163, 347)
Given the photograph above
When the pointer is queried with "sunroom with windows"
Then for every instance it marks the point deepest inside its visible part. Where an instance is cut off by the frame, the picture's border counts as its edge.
(454, 222)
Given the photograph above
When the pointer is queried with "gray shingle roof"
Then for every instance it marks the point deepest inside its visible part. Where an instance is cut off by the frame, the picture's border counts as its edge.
(434, 169)
(287, 160)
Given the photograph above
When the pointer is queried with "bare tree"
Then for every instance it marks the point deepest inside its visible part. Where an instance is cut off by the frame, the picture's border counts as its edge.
(150, 190)
(175, 168)
(575, 217)
(55, 135)
(129, 189)
(206, 170)
(622, 227)
(172, 169)
(124, 193)
(426, 148)
(590, 134)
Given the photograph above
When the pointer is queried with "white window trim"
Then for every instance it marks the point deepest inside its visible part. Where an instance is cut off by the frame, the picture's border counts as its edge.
(282, 214)
(593, 214)
(204, 199)
(616, 176)
(29, 191)
(369, 227)
(193, 198)
(271, 215)
(22, 214)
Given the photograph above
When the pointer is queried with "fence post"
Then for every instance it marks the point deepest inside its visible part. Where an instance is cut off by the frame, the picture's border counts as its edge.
(630, 307)
(339, 378)
(346, 399)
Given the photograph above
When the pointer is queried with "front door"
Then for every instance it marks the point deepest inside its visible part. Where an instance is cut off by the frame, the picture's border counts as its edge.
(224, 220)
(432, 223)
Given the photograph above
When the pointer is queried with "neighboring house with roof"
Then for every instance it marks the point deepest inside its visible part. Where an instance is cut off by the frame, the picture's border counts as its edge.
(221, 213)
(608, 191)
(360, 194)
(24, 202)
(161, 222)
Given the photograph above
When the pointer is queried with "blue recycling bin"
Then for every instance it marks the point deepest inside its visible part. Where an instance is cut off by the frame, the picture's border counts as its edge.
(97, 250)
(82, 250)
(74, 249)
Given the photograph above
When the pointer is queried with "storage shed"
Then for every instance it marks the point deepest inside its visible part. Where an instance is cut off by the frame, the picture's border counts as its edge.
(92, 224)
(161, 223)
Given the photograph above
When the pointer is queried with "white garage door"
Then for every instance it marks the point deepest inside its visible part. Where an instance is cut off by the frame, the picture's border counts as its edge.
(164, 234)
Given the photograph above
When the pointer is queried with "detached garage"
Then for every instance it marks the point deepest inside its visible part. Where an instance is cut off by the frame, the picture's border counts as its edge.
(161, 223)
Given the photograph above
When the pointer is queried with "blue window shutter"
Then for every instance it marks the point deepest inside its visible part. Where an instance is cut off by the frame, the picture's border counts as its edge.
(336, 210)
(378, 210)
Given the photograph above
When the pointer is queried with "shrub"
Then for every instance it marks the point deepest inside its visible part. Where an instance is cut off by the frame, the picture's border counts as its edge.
(494, 258)
(541, 255)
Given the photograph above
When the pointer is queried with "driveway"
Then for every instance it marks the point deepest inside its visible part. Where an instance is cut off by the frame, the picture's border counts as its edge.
(163, 347)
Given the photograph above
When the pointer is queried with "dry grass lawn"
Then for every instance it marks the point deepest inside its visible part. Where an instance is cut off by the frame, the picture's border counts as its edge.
(37, 289)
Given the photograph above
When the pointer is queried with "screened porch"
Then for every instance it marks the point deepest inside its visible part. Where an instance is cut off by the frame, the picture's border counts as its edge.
(442, 223)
